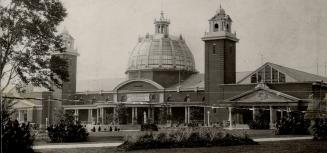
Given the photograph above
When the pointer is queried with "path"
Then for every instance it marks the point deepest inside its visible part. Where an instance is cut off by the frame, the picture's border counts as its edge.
(110, 144)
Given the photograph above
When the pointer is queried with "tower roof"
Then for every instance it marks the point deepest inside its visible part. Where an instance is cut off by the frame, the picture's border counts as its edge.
(221, 14)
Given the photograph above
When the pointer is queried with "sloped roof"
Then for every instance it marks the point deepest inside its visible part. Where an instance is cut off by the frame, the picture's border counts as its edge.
(299, 76)
(195, 80)
(98, 84)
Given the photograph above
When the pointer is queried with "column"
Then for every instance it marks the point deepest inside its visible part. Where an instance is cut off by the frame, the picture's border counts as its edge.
(170, 114)
(97, 116)
(133, 115)
(208, 113)
(19, 116)
(253, 113)
(76, 114)
(135, 110)
(272, 117)
(90, 116)
(144, 118)
(281, 114)
(185, 115)
(102, 115)
(230, 117)
(149, 113)
(188, 114)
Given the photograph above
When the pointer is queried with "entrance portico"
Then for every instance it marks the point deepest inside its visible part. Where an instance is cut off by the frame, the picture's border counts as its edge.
(263, 99)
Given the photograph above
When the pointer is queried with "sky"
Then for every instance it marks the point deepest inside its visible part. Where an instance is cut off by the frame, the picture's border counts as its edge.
(291, 33)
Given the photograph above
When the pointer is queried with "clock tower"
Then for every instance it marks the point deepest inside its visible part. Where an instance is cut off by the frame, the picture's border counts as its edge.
(220, 56)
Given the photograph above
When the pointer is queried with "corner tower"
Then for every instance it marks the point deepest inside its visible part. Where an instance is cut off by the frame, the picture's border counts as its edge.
(70, 55)
(220, 55)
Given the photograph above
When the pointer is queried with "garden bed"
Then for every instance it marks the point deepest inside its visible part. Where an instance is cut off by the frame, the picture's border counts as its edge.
(185, 137)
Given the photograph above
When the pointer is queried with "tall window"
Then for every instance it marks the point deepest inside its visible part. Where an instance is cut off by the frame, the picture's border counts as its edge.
(214, 49)
(267, 73)
(261, 75)
(274, 75)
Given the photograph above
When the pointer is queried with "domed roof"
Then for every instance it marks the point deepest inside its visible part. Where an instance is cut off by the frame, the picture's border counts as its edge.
(161, 51)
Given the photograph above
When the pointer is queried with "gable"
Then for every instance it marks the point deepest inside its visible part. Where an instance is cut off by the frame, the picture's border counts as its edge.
(273, 73)
(23, 104)
(262, 96)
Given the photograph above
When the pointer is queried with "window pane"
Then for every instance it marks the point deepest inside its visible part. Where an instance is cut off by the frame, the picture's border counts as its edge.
(267, 73)
(260, 75)
(254, 78)
(274, 75)
(281, 77)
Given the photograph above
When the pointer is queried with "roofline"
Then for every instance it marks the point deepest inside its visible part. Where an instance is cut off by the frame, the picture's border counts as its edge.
(142, 80)
(262, 88)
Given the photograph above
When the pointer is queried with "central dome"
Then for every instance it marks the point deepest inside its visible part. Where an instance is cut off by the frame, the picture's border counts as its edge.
(161, 51)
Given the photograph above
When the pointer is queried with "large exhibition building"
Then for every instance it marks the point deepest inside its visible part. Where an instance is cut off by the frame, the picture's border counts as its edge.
(163, 86)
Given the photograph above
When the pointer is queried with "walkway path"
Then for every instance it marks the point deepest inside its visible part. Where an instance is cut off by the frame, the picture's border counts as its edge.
(110, 144)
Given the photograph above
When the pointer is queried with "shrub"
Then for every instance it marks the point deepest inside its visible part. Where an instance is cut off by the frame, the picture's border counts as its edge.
(16, 138)
(258, 124)
(318, 129)
(193, 124)
(186, 137)
(93, 129)
(67, 130)
(149, 127)
(99, 128)
(294, 123)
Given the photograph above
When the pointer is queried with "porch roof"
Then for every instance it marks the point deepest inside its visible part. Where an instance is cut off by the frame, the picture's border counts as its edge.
(262, 95)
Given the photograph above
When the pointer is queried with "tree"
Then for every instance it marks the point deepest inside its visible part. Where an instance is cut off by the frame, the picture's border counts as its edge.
(28, 39)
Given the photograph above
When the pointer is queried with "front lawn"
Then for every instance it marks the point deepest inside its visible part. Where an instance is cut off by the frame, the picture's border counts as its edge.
(305, 146)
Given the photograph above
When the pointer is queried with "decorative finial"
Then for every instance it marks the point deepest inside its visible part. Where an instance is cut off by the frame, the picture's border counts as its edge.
(162, 14)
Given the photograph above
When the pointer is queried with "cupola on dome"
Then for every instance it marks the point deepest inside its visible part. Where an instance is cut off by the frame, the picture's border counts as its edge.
(161, 51)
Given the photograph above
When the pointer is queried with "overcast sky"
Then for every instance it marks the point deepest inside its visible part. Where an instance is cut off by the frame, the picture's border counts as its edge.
(292, 33)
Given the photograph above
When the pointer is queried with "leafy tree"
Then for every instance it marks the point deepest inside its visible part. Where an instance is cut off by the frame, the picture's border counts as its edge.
(28, 39)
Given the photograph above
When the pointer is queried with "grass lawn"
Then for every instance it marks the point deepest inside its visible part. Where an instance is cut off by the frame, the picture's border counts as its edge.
(300, 146)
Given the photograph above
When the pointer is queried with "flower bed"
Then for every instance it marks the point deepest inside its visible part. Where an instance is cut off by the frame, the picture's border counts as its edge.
(185, 137)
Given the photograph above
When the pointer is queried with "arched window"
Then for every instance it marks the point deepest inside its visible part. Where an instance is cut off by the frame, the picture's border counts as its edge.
(216, 27)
